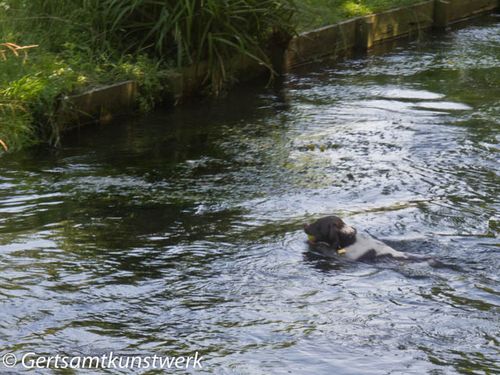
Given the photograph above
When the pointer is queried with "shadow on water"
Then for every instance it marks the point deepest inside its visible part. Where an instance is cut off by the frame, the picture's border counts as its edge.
(182, 231)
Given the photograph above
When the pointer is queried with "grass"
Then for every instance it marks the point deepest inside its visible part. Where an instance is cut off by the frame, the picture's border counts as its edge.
(312, 14)
(30, 89)
(74, 45)
(68, 58)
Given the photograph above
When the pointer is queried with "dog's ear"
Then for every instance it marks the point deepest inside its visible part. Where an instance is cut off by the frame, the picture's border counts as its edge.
(333, 236)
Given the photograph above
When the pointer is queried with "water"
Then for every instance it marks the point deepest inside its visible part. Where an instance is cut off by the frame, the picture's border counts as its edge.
(182, 231)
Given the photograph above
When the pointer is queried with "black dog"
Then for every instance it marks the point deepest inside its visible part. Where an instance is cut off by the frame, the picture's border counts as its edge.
(333, 234)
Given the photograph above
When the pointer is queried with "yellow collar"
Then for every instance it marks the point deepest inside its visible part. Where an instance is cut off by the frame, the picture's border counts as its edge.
(313, 240)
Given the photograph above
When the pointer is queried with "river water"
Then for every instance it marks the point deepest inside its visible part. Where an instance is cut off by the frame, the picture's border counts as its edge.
(182, 231)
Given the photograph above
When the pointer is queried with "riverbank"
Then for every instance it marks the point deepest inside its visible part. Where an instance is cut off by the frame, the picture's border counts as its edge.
(82, 45)
(68, 74)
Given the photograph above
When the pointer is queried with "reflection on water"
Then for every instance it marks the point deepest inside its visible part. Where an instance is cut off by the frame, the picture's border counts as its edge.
(181, 232)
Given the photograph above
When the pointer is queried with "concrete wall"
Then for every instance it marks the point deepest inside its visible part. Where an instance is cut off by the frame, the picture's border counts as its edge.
(362, 33)
(105, 103)
(327, 41)
(100, 104)
(459, 10)
(396, 23)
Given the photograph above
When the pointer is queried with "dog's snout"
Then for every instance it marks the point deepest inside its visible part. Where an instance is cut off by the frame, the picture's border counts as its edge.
(348, 230)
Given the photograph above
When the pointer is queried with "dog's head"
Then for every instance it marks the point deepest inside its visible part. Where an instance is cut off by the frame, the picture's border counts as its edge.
(331, 230)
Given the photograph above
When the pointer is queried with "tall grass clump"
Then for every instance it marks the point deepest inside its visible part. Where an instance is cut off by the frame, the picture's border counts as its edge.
(191, 32)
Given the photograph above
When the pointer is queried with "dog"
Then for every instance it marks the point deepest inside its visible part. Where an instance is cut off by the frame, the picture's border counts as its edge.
(332, 236)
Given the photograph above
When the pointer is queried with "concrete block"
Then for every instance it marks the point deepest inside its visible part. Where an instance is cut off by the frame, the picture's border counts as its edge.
(447, 12)
(396, 23)
(316, 44)
(460, 10)
(97, 105)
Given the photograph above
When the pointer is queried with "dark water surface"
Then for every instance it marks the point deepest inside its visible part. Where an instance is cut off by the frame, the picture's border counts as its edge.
(181, 232)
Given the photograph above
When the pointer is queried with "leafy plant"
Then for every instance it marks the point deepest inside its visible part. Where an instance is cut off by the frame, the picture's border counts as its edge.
(15, 126)
(190, 32)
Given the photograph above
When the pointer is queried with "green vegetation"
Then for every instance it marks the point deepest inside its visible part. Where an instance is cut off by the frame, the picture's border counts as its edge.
(86, 43)
(192, 31)
(70, 56)
(316, 13)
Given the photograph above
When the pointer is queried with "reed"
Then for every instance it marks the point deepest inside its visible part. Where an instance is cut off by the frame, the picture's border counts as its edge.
(189, 32)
